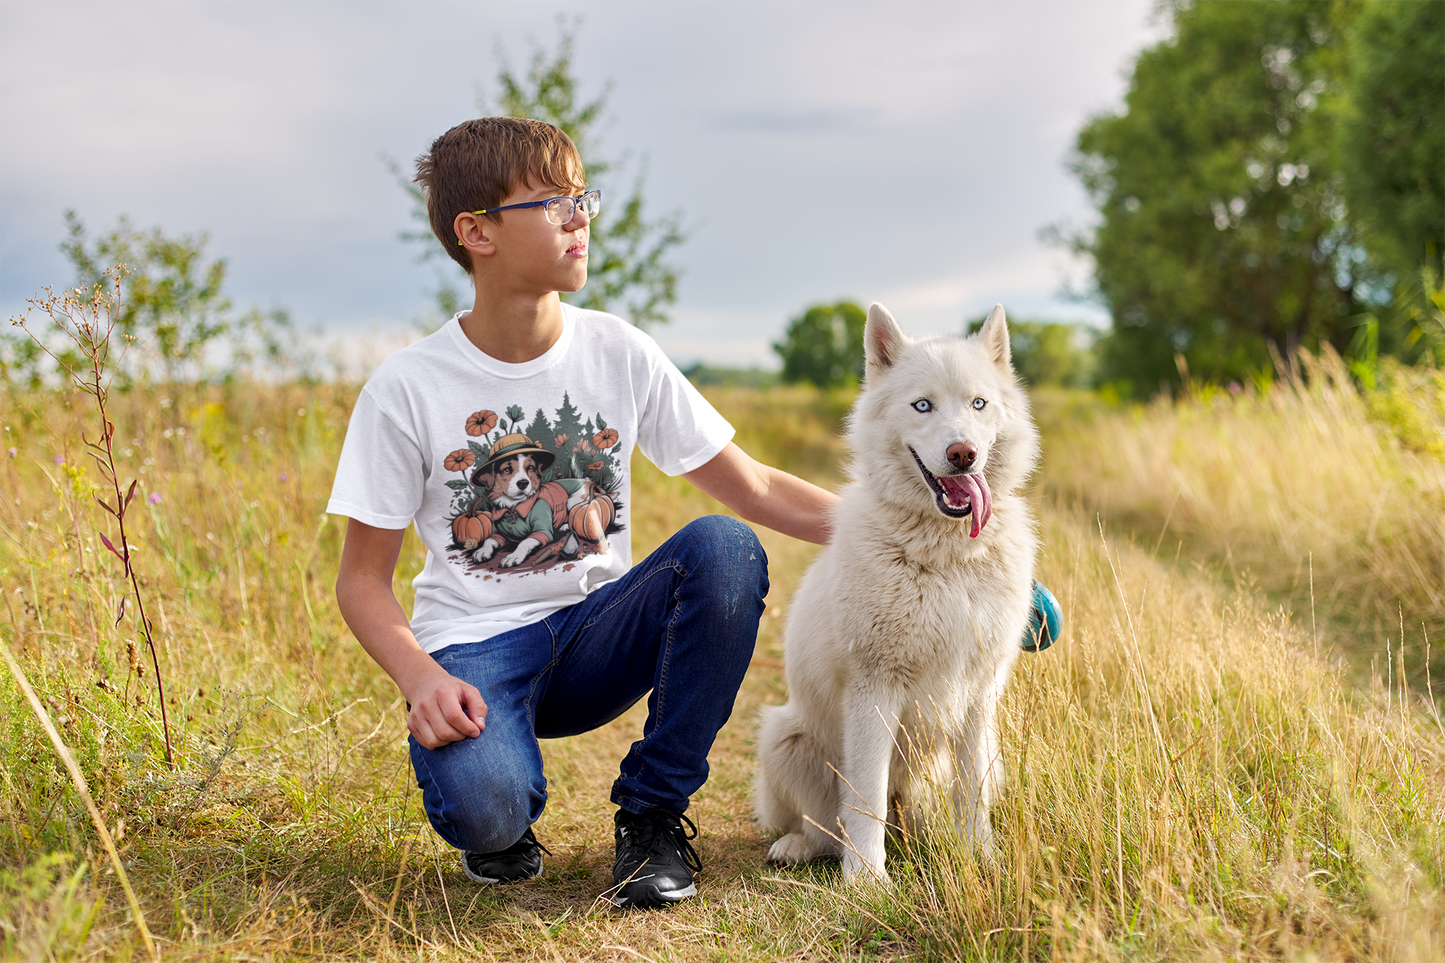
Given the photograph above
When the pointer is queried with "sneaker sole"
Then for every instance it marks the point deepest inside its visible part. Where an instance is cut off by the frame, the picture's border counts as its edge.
(650, 897)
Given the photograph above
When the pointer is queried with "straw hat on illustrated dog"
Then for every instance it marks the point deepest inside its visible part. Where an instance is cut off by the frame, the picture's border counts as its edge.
(512, 446)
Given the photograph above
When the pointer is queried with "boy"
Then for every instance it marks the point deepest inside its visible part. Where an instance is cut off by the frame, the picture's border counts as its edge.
(506, 437)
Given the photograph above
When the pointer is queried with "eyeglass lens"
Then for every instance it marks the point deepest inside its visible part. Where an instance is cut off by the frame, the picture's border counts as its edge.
(560, 210)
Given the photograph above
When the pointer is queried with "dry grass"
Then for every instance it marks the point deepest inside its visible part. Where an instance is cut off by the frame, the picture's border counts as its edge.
(1189, 778)
(1330, 499)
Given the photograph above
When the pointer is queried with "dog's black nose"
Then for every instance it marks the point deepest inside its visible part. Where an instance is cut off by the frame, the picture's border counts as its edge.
(962, 454)
(522, 484)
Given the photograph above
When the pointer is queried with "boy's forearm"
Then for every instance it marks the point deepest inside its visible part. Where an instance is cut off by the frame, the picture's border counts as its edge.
(767, 496)
(790, 505)
(377, 620)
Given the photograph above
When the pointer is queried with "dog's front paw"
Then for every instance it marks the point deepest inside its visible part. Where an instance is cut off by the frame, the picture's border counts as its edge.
(515, 559)
(484, 551)
(792, 848)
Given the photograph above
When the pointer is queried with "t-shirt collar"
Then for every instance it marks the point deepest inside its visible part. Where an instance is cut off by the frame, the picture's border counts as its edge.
(503, 369)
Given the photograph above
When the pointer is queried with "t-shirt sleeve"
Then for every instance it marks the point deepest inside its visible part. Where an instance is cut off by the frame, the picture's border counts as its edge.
(381, 475)
(679, 429)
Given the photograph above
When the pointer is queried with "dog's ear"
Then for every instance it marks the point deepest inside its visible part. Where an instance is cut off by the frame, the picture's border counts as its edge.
(994, 335)
(883, 340)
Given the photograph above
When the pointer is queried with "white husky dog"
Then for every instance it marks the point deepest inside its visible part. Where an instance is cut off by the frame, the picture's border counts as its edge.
(905, 628)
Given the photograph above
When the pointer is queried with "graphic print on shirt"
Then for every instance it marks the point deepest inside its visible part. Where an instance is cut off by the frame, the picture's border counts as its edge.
(536, 496)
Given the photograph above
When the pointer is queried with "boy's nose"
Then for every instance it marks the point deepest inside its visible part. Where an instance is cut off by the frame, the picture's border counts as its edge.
(579, 220)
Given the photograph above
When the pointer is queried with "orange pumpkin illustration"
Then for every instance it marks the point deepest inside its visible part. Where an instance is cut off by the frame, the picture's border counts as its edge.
(470, 529)
(590, 520)
(605, 439)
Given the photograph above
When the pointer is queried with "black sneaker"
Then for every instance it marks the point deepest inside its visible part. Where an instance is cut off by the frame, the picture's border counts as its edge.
(519, 861)
(655, 861)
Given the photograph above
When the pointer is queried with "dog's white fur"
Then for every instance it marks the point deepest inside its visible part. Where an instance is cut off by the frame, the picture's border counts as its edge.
(904, 630)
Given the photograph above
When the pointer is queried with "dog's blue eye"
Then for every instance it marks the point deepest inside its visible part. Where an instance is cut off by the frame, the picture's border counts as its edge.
(923, 404)
(978, 404)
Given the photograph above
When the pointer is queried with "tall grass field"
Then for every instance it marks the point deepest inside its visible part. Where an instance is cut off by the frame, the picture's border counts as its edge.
(1233, 752)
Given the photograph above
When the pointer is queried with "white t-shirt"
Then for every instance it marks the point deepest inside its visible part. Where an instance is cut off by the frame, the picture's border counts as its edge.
(528, 459)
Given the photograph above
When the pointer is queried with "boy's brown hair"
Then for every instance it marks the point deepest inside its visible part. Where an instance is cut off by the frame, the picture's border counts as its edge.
(477, 163)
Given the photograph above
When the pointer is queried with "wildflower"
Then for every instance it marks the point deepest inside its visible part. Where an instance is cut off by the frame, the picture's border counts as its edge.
(283, 477)
(60, 459)
(154, 498)
(12, 452)
(595, 466)
(459, 460)
(481, 422)
(605, 439)
(561, 440)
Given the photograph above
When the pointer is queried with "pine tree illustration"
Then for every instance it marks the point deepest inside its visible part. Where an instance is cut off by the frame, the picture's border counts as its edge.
(541, 432)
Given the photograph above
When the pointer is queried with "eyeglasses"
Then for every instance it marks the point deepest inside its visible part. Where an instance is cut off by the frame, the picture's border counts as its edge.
(559, 210)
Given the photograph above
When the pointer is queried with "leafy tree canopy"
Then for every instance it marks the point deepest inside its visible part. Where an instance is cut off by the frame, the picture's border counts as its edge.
(628, 270)
(176, 322)
(824, 345)
(1392, 131)
(1226, 222)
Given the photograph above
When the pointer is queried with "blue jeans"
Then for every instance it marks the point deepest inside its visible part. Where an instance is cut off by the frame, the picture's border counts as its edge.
(682, 624)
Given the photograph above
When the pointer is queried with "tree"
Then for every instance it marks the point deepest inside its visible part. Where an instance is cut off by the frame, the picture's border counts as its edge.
(1223, 228)
(1048, 352)
(824, 345)
(1392, 132)
(175, 321)
(628, 271)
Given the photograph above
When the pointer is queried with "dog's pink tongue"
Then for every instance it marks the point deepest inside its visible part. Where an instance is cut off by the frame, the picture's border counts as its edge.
(969, 490)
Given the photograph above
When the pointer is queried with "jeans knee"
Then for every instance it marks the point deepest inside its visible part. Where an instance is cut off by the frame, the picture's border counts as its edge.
(495, 818)
(730, 557)
(484, 808)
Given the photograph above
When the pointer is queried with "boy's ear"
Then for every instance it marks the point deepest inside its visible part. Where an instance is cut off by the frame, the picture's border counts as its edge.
(475, 233)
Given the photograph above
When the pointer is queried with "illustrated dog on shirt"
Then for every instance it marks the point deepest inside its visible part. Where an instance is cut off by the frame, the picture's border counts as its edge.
(527, 513)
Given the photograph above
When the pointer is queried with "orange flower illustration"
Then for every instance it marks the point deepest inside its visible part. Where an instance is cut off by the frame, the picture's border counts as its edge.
(595, 466)
(605, 439)
(481, 422)
(459, 460)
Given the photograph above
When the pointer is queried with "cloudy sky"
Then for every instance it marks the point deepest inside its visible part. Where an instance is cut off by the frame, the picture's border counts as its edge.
(907, 153)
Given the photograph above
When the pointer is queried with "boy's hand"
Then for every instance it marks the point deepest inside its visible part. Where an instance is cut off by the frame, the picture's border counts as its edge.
(445, 709)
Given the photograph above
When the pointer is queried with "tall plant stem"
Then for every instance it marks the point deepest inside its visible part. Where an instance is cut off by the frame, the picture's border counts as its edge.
(98, 350)
(82, 322)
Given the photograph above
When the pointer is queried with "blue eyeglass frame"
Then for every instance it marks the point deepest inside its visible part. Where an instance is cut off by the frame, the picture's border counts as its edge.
(576, 203)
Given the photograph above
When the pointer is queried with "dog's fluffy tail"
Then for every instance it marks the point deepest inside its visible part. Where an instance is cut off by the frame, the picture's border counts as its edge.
(793, 776)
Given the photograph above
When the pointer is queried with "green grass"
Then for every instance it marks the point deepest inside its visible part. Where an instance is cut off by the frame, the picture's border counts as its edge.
(1191, 773)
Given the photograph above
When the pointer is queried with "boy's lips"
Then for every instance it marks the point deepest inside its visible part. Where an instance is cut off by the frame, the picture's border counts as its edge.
(577, 250)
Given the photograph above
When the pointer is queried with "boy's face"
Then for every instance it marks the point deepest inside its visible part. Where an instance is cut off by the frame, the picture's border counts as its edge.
(532, 254)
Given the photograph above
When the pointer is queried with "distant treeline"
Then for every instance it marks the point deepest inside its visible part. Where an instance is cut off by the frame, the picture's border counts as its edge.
(824, 346)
